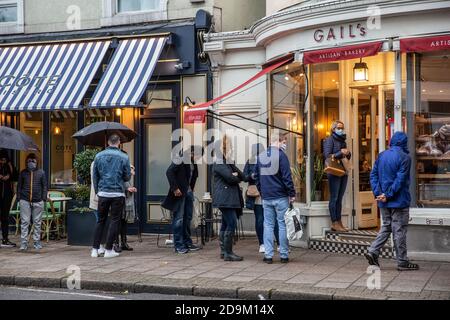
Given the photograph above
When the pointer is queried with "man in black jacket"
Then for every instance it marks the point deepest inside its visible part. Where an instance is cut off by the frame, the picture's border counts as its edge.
(182, 175)
(32, 193)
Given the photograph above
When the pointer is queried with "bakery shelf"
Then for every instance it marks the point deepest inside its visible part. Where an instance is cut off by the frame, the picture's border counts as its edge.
(433, 176)
(446, 158)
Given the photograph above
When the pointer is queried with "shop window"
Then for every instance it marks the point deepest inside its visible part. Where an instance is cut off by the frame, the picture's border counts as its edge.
(288, 105)
(160, 99)
(11, 16)
(97, 115)
(137, 5)
(325, 104)
(63, 125)
(8, 13)
(31, 125)
(432, 130)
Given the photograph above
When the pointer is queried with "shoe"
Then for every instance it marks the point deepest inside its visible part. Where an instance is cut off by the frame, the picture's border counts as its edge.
(117, 248)
(37, 245)
(182, 251)
(268, 260)
(102, 250)
(8, 244)
(284, 260)
(222, 248)
(408, 267)
(372, 259)
(193, 247)
(94, 253)
(335, 226)
(228, 245)
(344, 229)
(23, 247)
(278, 248)
(262, 249)
(111, 254)
(126, 247)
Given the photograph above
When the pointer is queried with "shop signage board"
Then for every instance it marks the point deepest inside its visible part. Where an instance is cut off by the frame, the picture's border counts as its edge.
(425, 44)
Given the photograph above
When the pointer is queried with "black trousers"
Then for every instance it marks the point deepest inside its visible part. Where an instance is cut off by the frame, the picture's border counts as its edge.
(114, 207)
(122, 232)
(5, 206)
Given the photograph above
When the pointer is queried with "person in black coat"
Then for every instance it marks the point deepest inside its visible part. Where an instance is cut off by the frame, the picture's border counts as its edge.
(6, 196)
(336, 145)
(227, 197)
(182, 175)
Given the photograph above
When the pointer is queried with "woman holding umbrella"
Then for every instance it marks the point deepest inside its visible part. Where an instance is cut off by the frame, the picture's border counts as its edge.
(6, 196)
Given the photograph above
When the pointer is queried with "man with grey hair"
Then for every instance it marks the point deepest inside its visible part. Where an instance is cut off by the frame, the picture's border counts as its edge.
(111, 170)
(274, 180)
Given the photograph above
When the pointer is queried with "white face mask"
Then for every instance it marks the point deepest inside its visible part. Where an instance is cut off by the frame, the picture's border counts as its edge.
(283, 146)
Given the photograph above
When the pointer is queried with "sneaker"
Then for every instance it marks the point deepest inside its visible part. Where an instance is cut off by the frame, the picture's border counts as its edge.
(268, 260)
(102, 250)
(372, 259)
(23, 246)
(94, 253)
(193, 247)
(8, 244)
(284, 260)
(117, 248)
(111, 254)
(408, 267)
(37, 245)
(182, 251)
(262, 249)
(278, 248)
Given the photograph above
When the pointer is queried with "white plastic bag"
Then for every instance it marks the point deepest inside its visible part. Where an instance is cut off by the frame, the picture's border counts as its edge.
(294, 228)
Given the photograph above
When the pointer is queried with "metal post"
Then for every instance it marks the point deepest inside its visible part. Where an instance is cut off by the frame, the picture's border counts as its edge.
(398, 93)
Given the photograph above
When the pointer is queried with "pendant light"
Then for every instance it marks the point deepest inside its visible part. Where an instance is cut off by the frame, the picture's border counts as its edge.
(360, 71)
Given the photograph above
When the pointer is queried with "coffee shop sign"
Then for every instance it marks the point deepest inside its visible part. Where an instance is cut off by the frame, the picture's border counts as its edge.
(349, 31)
(41, 84)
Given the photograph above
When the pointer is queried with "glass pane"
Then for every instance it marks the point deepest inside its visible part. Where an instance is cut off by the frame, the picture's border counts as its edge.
(159, 99)
(8, 13)
(62, 147)
(137, 5)
(365, 141)
(159, 147)
(31, 125)
(288, 99)
(149, 4)
(433, 131)
(325, 102)
(97, 115)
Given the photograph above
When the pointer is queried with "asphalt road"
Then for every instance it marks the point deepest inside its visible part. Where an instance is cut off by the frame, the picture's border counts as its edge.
(17, 293)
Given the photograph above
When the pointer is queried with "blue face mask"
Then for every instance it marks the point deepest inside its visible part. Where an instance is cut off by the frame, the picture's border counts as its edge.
(339, 132)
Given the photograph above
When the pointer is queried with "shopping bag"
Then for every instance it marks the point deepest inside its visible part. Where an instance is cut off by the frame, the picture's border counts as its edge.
(294, 228)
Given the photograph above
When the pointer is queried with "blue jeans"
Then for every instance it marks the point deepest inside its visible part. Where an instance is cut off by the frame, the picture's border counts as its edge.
(229, 219)
(274, 210)
(337, 187)
(259, 224)
(181, 223)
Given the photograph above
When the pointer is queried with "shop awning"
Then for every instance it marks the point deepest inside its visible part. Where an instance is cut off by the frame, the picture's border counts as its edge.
(128, 73)
(425, 44)
(197, 113)
(342, 53)
(48, 77)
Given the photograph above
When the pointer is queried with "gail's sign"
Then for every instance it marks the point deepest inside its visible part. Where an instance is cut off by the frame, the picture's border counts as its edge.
(342, 33)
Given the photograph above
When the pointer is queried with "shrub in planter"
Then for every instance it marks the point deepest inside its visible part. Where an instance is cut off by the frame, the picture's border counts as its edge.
(80, 194)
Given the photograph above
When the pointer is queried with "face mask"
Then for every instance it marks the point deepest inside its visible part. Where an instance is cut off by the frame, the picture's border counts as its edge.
(339, 132)
(31, 165)
(283, 146)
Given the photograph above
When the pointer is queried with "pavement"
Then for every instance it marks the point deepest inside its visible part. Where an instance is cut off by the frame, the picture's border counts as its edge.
(149, 269)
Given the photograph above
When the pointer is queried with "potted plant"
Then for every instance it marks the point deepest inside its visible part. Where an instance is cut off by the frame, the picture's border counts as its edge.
(299, 177)
(316, 194)
(81, 220)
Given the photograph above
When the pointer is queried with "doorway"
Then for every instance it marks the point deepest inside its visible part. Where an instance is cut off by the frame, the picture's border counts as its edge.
(373, 120)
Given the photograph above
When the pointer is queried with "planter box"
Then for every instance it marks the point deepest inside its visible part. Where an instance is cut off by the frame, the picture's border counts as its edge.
(81, 228)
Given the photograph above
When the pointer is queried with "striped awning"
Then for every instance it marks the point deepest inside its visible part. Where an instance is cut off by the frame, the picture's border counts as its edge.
(48, 77)
(128, 73)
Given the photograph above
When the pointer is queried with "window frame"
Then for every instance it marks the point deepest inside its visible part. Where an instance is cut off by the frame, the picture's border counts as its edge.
(111, 15)
(17, 26)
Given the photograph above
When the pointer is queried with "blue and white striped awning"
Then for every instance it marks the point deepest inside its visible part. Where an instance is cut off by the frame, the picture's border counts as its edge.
(48, 77)
(128, 73)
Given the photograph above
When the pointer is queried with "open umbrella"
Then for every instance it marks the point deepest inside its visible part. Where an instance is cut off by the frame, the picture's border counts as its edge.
(16, 140)
(97, 133)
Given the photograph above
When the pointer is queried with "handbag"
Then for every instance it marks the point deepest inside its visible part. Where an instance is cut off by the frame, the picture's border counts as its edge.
(252, 191)
(334, 166)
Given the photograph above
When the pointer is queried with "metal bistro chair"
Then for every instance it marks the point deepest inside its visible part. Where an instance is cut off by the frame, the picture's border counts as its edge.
(60, 208)
(166, 219)
(14, 213)
(52, 216)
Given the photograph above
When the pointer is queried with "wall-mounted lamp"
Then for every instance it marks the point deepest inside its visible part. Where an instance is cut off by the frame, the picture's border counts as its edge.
(360, 71)
(57, 130)
(118, 112)
(187, 103)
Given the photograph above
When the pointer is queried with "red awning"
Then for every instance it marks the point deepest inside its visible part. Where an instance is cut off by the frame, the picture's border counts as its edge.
(197, 113)
(342, 53)
(425, 44)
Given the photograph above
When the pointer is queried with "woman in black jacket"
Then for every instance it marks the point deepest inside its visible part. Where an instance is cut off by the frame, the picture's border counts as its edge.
(6, 196)
(336, 145)
(227, 196)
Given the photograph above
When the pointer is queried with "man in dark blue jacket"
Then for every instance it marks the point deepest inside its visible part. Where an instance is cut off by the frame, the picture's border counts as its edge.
(274, 178)
(390, 178)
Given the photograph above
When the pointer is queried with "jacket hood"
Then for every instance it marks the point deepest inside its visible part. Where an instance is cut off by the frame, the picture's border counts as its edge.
(400, 139)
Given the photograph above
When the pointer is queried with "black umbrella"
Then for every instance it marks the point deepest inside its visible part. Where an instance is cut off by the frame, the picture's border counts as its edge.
(97, 133)
(16, 140)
